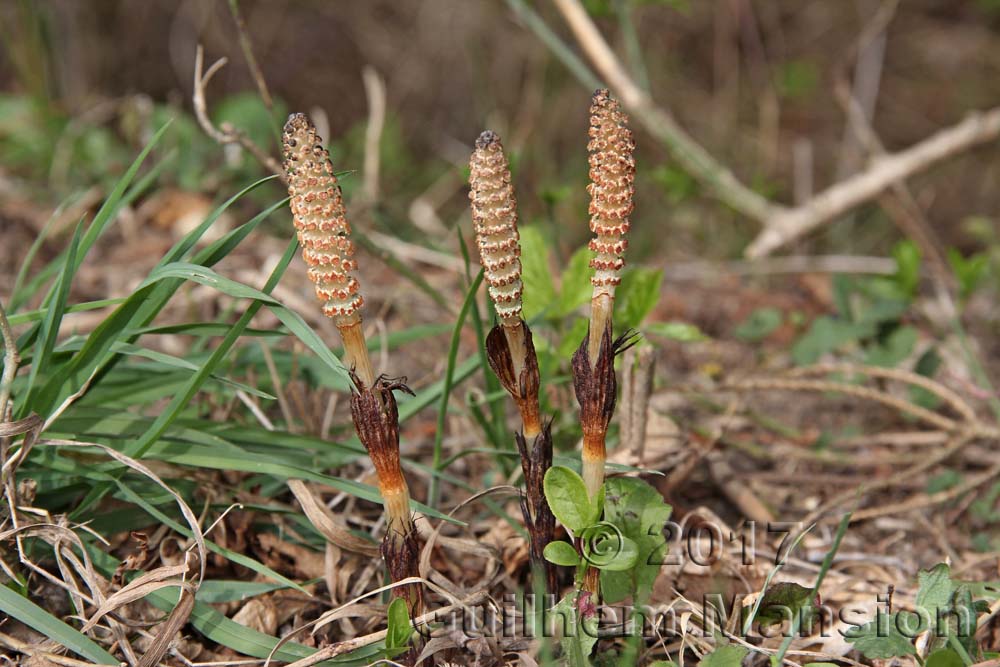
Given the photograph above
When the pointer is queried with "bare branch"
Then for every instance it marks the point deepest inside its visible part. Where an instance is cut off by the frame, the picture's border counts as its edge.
(225, 133)
(375, 92)
(978, 128)
(782, 224)
(247, 46)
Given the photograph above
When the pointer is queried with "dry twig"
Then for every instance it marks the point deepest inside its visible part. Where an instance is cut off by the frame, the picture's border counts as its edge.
(226, 133)
(247, 46)
(11, 359)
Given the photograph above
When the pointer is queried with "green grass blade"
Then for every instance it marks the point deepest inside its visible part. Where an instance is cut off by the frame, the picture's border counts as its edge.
(298, 327)
(184, 245)
(449, 378)
(202, 329)
(259, 463)
(29, 257)
(845, 521)
(137, 311)
(409, 407)
(53, 267)
(51, 627)
(181, 398)
(38, 315)
(208, 277)
(218, 591)
(116, 199)
(494, 428)
(49, 332)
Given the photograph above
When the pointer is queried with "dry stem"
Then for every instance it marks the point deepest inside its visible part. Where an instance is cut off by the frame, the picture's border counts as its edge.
(10, 362)
(225, 133)
(247, 46)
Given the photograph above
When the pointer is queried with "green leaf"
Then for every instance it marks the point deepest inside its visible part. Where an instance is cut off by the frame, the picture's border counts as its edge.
(894, 349)
(947, 479)
(674, 330)
(576, 288)
(638, 510)
(636, 297)
(927, 365)
(561, 553)
(782, 602)
(208, 277)
(49, 626)
(962, 624)
(936, 589)
(536, 272)
(730, 655)
(944, 657)
(676, 183)
(567, 497)
(824, 336)
(881, 638)
(907, 276)
(796, 79)
(218, 591)
(138, 310)
(581, 635)
(759, 324)
(49, 331)
(398, 629)
(970, 272)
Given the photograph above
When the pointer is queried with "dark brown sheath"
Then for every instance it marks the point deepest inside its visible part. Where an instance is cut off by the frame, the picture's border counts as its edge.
(523, 389)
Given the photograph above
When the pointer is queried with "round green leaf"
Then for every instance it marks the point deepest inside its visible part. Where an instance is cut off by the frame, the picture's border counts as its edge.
(567, 496)
(398, 630)
(561, 553)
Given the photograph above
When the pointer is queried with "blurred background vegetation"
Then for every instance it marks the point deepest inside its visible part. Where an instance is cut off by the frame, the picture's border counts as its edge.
(85, 84)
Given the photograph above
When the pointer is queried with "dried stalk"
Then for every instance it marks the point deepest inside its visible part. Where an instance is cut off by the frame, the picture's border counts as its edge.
(226, 133)
(324, 233)
(509, 346)
(11, 359)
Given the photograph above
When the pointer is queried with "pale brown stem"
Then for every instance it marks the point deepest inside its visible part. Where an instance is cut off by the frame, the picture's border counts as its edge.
(513, 330)
(594, 456)
(396, 499)
(356, 350)
(601, 306)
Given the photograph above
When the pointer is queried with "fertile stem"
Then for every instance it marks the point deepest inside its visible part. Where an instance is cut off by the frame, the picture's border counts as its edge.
(324, 233)
(612, 184)
(509, 346)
